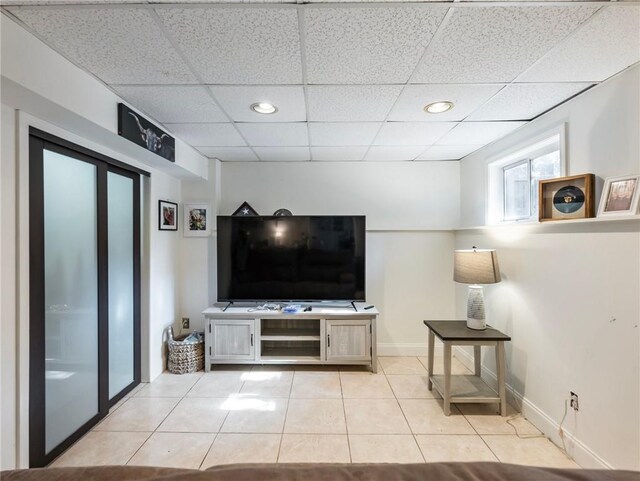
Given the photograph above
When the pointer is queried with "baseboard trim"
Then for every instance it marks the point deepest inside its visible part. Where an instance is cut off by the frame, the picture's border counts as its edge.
(402, 349)
(577, 450)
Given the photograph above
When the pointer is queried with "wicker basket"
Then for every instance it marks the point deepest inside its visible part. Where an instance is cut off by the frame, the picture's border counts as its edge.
(183, 357)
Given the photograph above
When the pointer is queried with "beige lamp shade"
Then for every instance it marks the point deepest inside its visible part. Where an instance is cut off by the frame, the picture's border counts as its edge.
(476, 266)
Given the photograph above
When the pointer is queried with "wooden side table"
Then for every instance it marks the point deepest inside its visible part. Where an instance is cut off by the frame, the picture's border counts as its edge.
(467, 388)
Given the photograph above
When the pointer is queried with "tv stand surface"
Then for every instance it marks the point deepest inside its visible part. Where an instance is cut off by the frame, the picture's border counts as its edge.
(324, 335)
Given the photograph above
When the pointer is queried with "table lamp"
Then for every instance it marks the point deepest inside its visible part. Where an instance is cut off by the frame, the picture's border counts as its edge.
(475, 267)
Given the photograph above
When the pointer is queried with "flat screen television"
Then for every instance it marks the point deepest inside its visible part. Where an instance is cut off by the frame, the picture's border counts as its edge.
(295, 258)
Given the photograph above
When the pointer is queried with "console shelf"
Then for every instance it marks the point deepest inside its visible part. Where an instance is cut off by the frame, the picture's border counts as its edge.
(287, 353)
(321, 336)
(293, 334)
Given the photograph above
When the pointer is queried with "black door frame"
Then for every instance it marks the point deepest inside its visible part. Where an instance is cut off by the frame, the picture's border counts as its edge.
(38, 142)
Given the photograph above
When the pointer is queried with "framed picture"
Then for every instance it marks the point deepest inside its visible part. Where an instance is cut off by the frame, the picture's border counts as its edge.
(196, 220)
(135, 128)
(620, 196)
(167, 215)
(565, 198)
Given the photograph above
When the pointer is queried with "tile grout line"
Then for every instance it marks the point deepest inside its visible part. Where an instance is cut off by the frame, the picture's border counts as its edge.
(286, 414)
(413, 435)
(344, 411)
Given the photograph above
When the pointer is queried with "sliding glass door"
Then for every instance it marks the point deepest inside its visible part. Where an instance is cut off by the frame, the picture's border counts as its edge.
(123, 275)
(70, 295)
(85, 290)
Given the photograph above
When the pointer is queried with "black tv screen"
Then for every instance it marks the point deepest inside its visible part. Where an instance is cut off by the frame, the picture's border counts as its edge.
(296, 258)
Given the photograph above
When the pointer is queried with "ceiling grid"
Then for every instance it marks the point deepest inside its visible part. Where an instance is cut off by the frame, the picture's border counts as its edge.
(349, 80)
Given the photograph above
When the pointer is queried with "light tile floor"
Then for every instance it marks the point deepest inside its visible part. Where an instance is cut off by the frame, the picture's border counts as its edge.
(263, 414)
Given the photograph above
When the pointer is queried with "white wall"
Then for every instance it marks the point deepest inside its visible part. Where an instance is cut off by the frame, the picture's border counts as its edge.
(8, 327)
(409, 207)
(570, 296)
(164, 274)
(393, 195)
(197, 254)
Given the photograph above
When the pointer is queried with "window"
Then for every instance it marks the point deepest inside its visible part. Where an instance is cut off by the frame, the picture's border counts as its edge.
(513, 179)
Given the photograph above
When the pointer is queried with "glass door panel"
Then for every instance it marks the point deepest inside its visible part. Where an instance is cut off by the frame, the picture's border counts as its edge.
(70, 295)
(121, 282)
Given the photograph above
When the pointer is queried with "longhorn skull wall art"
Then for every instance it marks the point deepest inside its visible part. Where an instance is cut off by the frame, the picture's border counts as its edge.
(137, 129)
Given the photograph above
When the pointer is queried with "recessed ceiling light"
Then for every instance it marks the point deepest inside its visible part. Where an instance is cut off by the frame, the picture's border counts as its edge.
(438, 107)
(264, 108)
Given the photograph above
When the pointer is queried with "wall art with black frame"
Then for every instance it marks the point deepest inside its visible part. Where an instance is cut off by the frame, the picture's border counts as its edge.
(167, 215)
(134, 127)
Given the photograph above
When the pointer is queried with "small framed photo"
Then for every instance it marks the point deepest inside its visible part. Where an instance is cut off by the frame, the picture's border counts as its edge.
(167, 215)
(620, 196)
(196, 220)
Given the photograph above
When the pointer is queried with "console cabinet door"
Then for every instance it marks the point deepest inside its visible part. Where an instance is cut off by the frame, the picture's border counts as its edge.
(232, 339)
(348, 340)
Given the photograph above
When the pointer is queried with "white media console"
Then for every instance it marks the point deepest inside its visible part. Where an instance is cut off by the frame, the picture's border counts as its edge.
(324, 335)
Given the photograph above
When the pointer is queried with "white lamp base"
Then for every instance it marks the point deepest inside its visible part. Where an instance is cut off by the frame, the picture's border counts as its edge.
(475, 308)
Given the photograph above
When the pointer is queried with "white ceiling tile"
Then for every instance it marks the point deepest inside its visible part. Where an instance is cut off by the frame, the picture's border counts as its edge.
(281, 154)
(393, 153)
(605, 45)
(238, 45)
(412, 133)
(353, 152)
(207, 135)
(366, 45)
(525, 101)
(478, 133)
(351, 102)
(343, 133)
(173, 104)
(275, 134)
(466, 99)
(223, 1)
(495, 44)
(116, 45)
(60, 2)
(228, 154)
(237, 100)
(447, 152)
(369, 1)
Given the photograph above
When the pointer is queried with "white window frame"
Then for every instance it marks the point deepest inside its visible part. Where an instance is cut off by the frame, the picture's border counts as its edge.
(549, 141)
(511, 165)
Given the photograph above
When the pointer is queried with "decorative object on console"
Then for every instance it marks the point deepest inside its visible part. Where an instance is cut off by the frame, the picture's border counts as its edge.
(167, 215)
(135, 128)
(282, 213)
(475, 267)
(620, 196)
(245, 209)
(196, 220)
(566, 198)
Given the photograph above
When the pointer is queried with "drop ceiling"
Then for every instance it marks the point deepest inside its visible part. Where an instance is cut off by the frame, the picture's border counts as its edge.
(350, 80)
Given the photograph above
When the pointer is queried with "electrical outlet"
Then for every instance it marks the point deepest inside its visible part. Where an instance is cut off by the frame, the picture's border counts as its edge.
(185, 323)
(573, 401)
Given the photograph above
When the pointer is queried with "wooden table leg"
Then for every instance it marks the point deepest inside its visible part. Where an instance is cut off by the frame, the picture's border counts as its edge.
(477, 360)
(447, 378)
(431, 346)
(501, 368)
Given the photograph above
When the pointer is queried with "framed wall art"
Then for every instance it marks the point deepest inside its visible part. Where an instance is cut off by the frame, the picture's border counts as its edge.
(135, 128)
(196, 220)
(167, 215)
(565, 198)
(620, 196)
